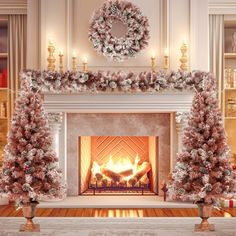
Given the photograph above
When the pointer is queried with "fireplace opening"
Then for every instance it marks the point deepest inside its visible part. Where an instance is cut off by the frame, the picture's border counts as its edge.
(117, 165)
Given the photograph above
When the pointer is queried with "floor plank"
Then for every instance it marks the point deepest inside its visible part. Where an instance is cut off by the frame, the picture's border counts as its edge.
(10, 211)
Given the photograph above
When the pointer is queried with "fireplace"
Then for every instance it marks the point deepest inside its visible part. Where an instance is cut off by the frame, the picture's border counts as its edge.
(76, 118)
(148, 134)
(118, 165)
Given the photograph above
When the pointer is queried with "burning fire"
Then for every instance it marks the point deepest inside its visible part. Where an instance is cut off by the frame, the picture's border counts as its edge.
(121, 171)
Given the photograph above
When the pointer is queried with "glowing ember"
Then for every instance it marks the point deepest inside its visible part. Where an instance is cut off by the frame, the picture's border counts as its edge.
(121, 171)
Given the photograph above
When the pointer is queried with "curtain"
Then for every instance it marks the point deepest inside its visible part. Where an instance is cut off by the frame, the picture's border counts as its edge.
(216, 36)
(17, 25)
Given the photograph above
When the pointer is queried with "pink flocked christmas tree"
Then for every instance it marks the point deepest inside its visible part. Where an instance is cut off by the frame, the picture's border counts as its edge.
(203, 172)
(30, 170)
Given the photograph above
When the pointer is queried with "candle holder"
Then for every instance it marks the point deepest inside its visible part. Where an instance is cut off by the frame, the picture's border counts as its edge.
(85, 67)
(74, 63)
(166, 63)
(153, 64)
(166, 59)
(184, 57)
(51, 59)
(61, 62)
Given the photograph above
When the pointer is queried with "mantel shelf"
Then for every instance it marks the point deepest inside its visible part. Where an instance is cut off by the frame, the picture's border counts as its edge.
(230, 55)
(230, 118)
(3, 55)
(230, 89)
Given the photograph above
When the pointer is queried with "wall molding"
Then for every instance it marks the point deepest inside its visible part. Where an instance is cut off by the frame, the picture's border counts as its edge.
(165, 25)
(199, 35)
(69, 21)
(33, 34)
(224, 8)
(10, 7)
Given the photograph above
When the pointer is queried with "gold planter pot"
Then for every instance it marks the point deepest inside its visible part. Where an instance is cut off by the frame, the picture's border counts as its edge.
(28, 210)
(205, 211)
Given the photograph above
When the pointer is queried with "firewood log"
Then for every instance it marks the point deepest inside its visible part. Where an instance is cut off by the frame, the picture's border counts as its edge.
(144, 180)
(104, 183)
(99, 176)
(144, 168)
(126, 173)
(111, 174)
(122, 183)
(99, 184)
(93, 181)
(131, 182)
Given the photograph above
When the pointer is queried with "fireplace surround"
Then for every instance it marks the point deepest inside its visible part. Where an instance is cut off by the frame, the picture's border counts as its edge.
(72, 116)
(117, 124)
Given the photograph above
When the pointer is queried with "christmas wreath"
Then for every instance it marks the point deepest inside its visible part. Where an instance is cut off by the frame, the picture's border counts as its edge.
(114, 48)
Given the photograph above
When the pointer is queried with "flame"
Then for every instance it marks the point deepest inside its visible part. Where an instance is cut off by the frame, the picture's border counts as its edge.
(118, 165)
(122, 164)
(120, 170)
(96, 168)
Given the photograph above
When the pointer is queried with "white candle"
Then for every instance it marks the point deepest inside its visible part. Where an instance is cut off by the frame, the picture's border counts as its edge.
(74, 55)
(85, 59)
(153, 61)
(166, 52)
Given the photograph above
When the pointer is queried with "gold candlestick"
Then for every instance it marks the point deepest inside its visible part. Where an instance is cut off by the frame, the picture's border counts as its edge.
(166, 59)
(184, 57)
(74, 62)
(153, 63)
(51, 59)
(85, 65)
(61, 61)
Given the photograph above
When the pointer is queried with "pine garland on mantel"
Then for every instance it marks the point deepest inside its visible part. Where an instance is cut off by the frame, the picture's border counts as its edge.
(107, 81)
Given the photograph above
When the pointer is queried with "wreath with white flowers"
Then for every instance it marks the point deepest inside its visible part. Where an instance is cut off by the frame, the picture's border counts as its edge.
(119, 49)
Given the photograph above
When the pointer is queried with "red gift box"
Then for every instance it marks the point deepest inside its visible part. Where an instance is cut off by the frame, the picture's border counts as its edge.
(229, 203)
(1, 81)
(4, 78)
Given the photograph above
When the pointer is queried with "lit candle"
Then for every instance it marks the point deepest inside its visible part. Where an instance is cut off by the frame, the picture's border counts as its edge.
(51, 59)
(184, 57)
(153, 62)
(85, 64)
(74, 54)
(166, 52)
(74, 61)
(50, 41)
(61, 60)
(166, 59)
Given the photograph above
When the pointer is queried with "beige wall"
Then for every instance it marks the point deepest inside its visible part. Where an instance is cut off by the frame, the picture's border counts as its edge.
(66, 22)
(178, 29)
(33, 51)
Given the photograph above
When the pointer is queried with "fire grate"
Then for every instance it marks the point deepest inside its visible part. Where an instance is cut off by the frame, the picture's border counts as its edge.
(118, 189)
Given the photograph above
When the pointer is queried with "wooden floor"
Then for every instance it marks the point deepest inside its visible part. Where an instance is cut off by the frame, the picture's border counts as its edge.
(10, 211)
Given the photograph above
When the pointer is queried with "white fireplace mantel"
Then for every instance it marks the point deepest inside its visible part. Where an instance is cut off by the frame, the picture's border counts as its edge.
(115, 103)
(59, 105)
